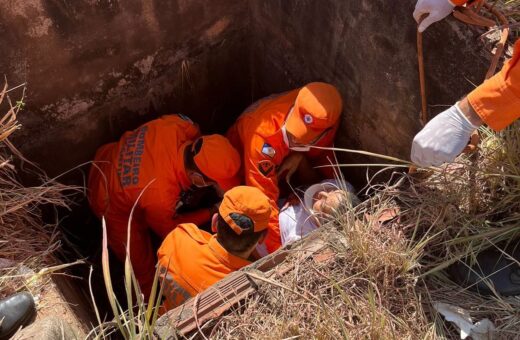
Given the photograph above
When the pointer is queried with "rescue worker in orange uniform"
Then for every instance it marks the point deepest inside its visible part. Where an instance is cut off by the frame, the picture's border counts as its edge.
(150, 167)
(191, 260)
(496, 102)
(275, 127)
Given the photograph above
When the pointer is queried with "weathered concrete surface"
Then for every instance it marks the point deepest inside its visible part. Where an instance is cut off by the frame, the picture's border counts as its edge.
(368, 49)
(96, 68)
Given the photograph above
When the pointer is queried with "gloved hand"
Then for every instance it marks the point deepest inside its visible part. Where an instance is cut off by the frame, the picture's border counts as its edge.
(436, 10)
(443, 138)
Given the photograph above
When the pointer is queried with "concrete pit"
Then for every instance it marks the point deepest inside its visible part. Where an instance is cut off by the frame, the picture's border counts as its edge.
(95, 69)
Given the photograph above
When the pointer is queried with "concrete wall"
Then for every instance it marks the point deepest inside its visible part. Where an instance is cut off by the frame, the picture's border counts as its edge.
(95, 68)
(368, 49)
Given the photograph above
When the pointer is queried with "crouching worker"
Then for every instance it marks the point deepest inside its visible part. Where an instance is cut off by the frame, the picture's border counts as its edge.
(317, 205)
(191, 259)
(274, 128)
(151, 167)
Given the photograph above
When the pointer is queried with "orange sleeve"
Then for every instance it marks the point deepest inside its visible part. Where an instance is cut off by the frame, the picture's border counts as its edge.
(458, 2)
(266, 181)
(497, 100)
(158, 212)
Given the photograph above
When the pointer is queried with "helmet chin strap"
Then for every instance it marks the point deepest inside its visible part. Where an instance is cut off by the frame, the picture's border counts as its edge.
(285, 138)
(301, 148)
(304, 148)
(284, 130)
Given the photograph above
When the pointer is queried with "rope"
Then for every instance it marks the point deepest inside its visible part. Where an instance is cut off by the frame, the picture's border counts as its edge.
(422, 81)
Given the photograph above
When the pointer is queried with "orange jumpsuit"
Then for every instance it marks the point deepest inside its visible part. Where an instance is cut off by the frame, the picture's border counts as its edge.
(191, 260)
(257, 136)
(148, 161)
(497, 100)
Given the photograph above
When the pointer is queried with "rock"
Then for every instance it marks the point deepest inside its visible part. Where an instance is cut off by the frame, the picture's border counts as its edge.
(50, 328)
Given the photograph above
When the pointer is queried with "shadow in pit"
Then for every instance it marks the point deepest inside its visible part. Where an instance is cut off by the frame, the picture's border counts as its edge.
(81, 233)
(82, 238)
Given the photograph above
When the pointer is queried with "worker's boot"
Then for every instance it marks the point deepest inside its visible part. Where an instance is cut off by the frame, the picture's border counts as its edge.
(492, 268)
(15, 311)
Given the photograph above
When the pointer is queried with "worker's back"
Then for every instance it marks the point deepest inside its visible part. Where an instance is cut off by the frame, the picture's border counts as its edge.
(147, 157)
(263, 118)
(193, 260)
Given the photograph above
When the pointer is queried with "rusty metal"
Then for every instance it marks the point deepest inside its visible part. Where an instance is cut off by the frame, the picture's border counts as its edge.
(468, 16)
(473, 143)
(478, 5)
(503, 39)
(422, 80)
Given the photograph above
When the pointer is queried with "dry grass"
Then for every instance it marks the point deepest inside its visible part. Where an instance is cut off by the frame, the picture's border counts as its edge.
(138, 321)
(383, 284)
(366, 290)
(510, 8)
(27, 244)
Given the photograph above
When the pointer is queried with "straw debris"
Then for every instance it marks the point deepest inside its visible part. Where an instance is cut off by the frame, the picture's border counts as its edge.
(27, 244)
(382, 281)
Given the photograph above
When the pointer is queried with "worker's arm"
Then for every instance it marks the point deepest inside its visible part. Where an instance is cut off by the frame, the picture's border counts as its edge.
(495, 103)
(444, 137)
(260, 172)
(159, 213)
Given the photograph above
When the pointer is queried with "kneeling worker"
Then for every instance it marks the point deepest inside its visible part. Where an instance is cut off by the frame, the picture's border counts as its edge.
(274, 127)
(151, 167)
(192, 259)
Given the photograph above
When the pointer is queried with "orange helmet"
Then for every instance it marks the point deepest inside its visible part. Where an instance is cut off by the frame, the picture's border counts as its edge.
(245, 201)
(316, 109)
(218, 160)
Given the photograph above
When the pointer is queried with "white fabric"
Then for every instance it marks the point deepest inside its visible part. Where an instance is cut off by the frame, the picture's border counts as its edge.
(285, 138)
(435, 9)
(261, 249)
(305, 148)
(295, 222)
(442, 139)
